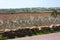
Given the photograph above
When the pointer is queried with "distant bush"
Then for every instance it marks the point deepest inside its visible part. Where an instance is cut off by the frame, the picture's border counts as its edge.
(54, 13)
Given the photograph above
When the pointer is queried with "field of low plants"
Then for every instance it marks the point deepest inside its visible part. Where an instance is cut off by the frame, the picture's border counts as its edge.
(22, 27)
(29, 22)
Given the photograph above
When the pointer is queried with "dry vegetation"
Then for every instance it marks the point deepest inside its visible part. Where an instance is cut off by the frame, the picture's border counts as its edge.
(28, 23)
(27, 19)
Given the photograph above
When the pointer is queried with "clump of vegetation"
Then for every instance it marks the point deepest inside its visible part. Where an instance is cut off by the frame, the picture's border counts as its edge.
(54, 13)
(30, 32)
(2, 37)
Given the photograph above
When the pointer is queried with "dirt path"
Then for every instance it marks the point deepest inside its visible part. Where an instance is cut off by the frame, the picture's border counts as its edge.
(53, 36)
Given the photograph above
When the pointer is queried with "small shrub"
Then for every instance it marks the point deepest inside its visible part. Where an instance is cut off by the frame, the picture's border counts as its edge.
(56, 28)
(9, 34)
(2, 37)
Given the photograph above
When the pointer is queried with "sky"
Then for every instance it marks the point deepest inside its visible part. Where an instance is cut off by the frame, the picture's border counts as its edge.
(28, 3)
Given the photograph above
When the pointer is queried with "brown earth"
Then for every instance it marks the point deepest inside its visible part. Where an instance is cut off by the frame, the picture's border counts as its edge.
(4, 16)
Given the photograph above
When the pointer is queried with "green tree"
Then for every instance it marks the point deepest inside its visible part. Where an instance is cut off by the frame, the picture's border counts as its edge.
(54, 13)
